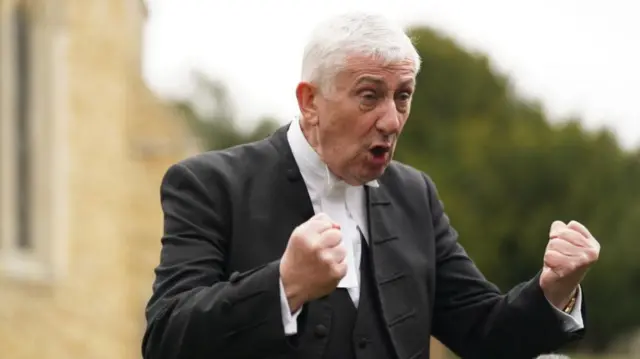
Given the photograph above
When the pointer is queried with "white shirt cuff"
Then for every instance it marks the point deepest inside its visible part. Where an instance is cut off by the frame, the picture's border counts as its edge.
(573, 321)
(289, 321)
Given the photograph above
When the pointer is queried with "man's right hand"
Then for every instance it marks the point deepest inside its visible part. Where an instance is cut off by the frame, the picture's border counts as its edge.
(313, 262)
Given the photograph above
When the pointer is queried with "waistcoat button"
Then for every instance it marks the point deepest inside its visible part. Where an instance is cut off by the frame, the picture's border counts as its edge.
(362, 343)
(321, 331)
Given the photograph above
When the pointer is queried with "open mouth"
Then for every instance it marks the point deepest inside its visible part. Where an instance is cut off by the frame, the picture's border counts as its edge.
(379, 151)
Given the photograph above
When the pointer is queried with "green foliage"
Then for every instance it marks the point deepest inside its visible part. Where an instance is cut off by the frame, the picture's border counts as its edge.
(505, 173)
(216, 126)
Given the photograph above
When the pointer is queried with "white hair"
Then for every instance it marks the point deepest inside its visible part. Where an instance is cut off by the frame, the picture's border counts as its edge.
(553, 356)
(354, 34)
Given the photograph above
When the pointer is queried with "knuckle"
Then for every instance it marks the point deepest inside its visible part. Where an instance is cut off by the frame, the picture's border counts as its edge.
(334, 234)
(298, 232)
(315, 247)
(320, 223)
(573, 266)
(338, 271)
(591, 255)
(547, 251)
(582, 240)
(324, 259)
(331, 236)
(321, 217)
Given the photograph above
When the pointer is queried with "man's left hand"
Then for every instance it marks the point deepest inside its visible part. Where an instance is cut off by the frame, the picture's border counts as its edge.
(570, 252)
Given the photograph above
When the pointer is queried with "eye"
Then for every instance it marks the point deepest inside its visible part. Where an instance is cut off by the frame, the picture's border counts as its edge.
(403, 100)
(368, 97)
(404, 96)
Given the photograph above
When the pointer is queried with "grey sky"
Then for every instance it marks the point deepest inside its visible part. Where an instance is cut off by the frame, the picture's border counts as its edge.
(578, 57)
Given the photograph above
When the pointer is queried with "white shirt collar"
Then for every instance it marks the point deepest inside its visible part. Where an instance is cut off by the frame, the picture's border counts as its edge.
(311, 166)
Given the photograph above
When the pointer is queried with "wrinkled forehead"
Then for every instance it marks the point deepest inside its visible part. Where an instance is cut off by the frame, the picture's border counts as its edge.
(359, 70)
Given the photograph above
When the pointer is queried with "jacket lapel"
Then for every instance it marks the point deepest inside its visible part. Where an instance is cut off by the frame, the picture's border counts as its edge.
(293, 205)
(396, 292)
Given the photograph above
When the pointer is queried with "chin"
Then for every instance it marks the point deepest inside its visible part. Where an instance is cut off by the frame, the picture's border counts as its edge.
(373, 174)
(368, 171)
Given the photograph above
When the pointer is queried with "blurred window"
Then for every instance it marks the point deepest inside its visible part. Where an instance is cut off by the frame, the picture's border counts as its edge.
(23, 125)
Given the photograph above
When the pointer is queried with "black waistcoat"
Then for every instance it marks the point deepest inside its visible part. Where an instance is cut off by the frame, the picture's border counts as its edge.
(358, 333)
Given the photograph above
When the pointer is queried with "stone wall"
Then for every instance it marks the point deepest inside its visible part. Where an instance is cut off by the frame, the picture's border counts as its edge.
(120, 140)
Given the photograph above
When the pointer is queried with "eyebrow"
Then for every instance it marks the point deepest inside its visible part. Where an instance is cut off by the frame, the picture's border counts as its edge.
(380, 81)
(372, 79)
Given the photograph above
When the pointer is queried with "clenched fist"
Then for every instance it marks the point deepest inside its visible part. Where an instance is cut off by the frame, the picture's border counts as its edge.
(570, 252)
(313, 262)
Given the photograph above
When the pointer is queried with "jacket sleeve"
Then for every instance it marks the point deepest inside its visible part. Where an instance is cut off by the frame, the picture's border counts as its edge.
(196, 309)
(474, 319)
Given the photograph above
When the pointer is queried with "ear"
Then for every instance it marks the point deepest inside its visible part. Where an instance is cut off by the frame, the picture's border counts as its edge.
(306, 93)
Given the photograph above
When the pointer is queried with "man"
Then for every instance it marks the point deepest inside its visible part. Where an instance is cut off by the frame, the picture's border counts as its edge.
(313, 244)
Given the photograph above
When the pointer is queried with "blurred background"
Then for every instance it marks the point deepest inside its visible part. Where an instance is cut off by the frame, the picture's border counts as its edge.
(526, 112)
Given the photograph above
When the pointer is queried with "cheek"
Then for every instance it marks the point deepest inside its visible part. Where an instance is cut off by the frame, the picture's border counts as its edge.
(346, 131)
(341, 127)
(403, 121)
(345, 143)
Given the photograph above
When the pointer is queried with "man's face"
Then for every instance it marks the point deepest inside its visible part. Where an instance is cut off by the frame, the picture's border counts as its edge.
(354, 126)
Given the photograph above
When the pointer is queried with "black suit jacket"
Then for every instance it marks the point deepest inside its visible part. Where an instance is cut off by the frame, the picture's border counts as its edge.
(227, 218)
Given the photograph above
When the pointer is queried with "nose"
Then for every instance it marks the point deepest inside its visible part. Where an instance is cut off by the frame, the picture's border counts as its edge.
(390, 121)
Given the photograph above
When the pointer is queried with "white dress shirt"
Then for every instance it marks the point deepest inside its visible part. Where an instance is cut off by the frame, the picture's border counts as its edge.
(345, 204)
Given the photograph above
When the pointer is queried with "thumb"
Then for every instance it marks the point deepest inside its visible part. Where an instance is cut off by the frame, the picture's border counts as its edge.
(322, 217)
(325, 219)
(556, 226)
